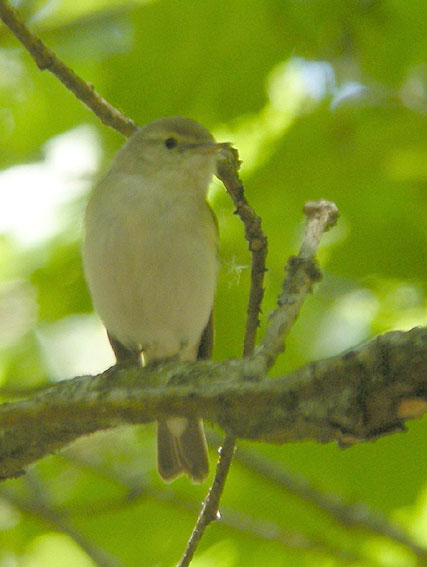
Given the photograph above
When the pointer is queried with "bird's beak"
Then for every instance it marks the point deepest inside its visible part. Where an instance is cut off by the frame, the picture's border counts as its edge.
(213, 148)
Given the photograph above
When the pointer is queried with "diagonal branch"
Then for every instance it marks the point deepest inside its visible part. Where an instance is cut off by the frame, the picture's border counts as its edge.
(227, 171)
(302, 274)
(210, 509)
(348, 515)
(45, 58)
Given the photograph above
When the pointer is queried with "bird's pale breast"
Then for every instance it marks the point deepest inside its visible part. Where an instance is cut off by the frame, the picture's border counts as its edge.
(152, 267)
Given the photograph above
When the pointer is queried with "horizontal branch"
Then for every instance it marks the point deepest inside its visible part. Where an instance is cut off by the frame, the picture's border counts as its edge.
(363, 394)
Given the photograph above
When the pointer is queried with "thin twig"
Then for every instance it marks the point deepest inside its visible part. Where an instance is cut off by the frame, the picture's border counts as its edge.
(45, 58)
(230, 518)
(302, 274)
(227, 171)
(210, 510)
(348, 516)
(321, 215)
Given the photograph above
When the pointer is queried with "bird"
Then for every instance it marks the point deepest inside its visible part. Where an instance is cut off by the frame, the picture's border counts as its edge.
(150, 259)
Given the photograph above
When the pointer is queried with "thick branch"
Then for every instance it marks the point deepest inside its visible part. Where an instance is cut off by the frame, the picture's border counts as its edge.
(365, 393)
(45, 58)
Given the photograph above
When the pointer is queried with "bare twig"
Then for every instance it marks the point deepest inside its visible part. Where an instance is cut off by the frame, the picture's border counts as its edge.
(227, 171)
(210, 510)
(302, 274)
(319, 218)
(230, 518)
(45, 58)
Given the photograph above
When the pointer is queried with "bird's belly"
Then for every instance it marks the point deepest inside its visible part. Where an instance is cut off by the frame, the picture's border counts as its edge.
(154, 292)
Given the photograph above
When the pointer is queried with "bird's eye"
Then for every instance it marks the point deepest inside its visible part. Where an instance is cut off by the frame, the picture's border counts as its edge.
(171, 143)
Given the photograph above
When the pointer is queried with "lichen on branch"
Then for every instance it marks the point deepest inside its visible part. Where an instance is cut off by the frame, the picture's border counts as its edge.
(362, 394)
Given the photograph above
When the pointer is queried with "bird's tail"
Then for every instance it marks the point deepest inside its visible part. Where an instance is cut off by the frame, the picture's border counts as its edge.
(182, 449)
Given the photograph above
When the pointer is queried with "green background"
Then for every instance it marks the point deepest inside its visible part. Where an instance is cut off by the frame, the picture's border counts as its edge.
(324, 99)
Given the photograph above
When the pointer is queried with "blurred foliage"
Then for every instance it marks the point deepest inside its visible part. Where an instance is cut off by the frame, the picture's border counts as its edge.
(323, 99)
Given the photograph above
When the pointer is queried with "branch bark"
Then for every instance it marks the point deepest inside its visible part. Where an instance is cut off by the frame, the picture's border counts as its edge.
(302, 274)
(227, 171)
(363, 394)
